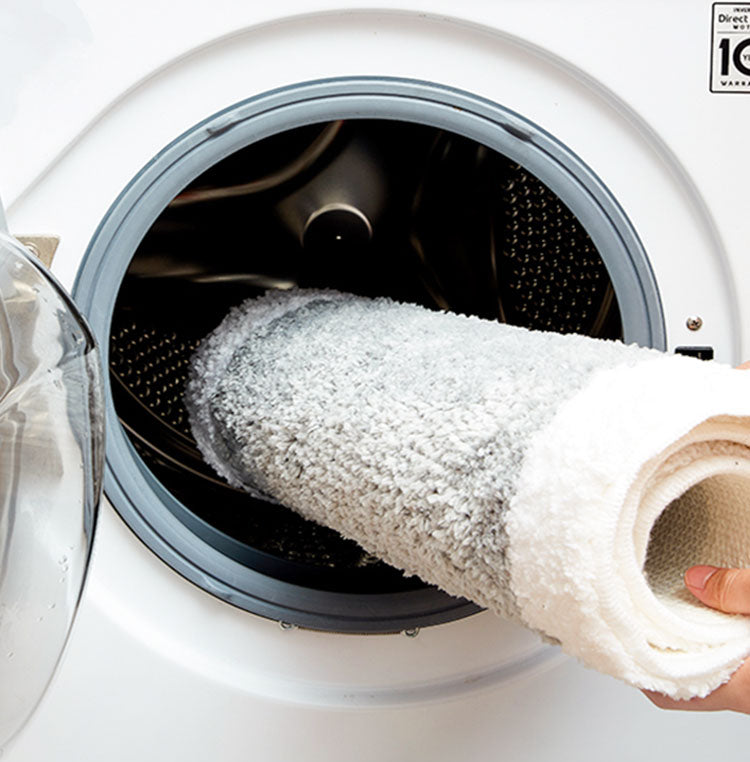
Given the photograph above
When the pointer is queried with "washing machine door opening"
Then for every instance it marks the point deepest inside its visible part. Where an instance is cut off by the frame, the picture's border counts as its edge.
(422, 209)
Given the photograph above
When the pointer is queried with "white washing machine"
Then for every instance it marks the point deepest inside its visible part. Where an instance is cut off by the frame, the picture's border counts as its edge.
(564, 165)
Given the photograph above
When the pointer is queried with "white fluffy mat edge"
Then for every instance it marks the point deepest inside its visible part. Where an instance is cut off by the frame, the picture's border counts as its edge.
(588, 589)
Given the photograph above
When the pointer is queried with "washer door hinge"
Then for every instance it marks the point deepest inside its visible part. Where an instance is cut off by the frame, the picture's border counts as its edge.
(41, 246)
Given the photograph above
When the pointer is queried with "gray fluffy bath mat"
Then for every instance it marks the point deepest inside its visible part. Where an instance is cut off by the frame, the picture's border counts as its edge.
(560, 481)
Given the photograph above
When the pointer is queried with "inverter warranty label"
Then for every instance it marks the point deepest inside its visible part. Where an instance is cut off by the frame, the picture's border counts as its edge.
(730, 48)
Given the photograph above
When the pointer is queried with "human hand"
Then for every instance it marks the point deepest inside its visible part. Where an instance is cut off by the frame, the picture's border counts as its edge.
(727, 590)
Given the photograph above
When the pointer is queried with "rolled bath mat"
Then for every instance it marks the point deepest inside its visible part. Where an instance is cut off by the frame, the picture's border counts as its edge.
(561, 481)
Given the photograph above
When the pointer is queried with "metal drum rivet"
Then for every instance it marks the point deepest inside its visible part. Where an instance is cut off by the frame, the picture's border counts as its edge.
(411, 632)
(287, 626)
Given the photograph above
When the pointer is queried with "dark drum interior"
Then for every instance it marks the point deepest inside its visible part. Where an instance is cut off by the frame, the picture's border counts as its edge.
(375, 207)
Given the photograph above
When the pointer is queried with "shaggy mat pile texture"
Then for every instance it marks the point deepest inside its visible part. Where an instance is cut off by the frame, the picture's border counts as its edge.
(560, 481)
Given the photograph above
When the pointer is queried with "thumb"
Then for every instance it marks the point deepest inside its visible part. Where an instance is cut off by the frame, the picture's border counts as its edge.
(725, 589)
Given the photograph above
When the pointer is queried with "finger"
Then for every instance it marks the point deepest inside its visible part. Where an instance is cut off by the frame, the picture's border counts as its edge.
(745, 365)
(723, 589)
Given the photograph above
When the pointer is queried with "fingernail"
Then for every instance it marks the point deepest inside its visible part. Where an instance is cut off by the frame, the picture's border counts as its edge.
(696, 577)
